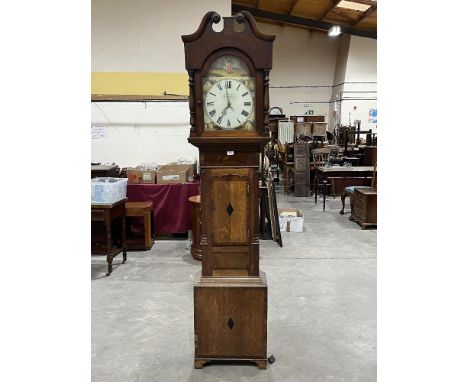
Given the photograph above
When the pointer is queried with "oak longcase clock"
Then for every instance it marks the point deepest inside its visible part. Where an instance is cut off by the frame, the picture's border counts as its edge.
(229, 114)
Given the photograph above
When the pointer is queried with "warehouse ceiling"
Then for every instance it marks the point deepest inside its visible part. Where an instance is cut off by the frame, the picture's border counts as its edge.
(356, 17)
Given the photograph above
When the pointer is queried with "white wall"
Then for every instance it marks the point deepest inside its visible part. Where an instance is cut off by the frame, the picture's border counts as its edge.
(339, 79)
(361, 67)
(141, 133)
(301, 58)
(144, 36)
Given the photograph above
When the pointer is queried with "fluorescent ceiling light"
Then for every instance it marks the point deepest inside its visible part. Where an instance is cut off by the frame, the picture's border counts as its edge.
(335, 30)
(352, 5)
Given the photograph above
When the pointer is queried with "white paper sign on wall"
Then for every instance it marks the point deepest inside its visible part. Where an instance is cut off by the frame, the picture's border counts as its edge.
(308, 109)
(98, 132)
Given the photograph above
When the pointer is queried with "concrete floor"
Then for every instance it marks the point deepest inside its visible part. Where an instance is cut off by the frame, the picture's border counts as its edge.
(321, 312)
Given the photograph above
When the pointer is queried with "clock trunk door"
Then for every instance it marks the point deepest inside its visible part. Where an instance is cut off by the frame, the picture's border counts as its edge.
(229, 204)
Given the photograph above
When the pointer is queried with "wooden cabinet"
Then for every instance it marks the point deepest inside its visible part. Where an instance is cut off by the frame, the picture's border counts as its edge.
(365, 207)
(369, 156)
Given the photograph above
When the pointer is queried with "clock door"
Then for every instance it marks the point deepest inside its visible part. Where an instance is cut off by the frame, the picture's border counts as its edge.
(229, 204)
(229, 222)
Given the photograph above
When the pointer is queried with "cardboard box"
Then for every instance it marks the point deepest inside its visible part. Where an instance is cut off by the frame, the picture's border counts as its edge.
(141, 176)
(174, 173)
(290, 219)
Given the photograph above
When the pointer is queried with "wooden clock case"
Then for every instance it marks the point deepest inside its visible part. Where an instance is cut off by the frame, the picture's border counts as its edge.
(230, 293)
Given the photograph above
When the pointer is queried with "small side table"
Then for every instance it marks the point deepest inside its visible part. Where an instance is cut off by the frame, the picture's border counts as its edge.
(195, 248)
(106, 213)
(144, 210)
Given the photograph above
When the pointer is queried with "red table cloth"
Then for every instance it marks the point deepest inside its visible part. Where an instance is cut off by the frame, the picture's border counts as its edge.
(171, 209)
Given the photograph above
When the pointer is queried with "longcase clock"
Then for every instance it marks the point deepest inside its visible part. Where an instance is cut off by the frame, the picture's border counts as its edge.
(229, 114)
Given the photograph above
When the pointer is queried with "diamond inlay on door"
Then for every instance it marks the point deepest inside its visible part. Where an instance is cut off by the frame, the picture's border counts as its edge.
(230, 210)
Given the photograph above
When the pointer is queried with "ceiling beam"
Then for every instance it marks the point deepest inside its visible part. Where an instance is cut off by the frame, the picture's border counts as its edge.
(329, 9)
(301, 21)
(292, 6)
(365, 14)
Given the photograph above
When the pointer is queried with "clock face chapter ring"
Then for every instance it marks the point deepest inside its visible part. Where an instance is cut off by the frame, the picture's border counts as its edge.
(228, 104)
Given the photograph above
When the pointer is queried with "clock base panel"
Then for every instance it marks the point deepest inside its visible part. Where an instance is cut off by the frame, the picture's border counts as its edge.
(230, 319)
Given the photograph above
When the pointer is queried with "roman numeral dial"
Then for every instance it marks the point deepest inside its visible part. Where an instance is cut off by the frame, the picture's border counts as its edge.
(228, 104)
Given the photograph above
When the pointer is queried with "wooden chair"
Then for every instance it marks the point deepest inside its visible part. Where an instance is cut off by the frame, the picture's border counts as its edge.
(349, 191)
(320, 158)
(335, 151)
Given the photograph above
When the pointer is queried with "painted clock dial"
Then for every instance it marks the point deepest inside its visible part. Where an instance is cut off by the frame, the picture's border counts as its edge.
(229, 95)
(228, 104)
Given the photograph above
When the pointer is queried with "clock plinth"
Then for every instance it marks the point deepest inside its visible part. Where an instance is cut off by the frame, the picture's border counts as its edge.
(231, 319)
(229, 107)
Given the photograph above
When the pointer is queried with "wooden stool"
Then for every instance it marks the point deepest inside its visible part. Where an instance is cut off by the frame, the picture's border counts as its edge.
(144, 210)
(195, 248)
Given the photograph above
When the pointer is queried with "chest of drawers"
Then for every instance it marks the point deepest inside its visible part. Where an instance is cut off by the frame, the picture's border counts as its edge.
(365, 207)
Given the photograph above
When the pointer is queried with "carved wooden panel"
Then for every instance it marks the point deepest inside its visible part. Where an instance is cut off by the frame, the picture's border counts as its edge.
(301, 169)
(301, 164)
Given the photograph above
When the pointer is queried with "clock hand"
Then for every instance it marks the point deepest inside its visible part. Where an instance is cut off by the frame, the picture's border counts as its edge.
(227, 98)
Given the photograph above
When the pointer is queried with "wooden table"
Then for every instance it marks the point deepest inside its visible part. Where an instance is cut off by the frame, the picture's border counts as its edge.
(324, 173)
(142, 210)
(195, 248)
(106, 213)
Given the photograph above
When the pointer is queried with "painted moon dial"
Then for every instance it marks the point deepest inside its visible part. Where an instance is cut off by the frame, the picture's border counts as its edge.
(228, 104)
